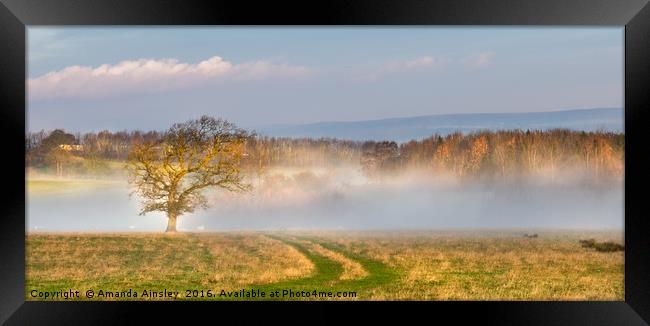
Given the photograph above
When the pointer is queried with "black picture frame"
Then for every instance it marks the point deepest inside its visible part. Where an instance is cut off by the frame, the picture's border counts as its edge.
(15, 15)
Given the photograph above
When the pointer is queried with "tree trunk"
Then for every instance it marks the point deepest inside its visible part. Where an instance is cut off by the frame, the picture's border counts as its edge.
(171, 223)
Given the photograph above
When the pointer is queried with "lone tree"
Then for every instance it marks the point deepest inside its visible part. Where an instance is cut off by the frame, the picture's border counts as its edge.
(171, 173)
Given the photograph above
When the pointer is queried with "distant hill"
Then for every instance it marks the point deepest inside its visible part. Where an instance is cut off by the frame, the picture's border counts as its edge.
(404, 129)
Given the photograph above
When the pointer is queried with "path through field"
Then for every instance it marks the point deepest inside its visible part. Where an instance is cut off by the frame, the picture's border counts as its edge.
(336, 270)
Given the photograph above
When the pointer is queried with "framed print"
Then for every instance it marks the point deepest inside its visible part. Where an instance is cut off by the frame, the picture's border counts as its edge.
(439, 157)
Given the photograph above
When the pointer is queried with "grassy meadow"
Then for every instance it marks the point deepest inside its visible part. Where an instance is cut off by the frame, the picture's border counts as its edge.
(418, 265)
(53, 186)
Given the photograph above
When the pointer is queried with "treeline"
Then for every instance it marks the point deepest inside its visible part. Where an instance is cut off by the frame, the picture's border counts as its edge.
(95, 153)
(501, 154)
(104, 144)
(505, 154)
(295, 152)
(88, 154)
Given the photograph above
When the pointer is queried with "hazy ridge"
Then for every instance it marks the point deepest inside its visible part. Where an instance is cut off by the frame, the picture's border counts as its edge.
(407, 128)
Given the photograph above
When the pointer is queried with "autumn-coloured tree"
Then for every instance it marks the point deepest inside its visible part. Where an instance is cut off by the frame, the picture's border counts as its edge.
(171, 173)
(478, 151)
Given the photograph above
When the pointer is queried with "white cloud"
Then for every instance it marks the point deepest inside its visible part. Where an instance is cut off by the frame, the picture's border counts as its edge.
(480, 60)
(151, 75)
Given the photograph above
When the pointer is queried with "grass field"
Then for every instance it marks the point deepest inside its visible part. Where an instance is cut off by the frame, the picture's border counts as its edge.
(458, 265)
(49, 186)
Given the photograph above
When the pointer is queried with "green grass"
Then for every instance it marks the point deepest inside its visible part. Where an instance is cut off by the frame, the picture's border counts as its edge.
(380, 274)
(53, 186)
(326, 273)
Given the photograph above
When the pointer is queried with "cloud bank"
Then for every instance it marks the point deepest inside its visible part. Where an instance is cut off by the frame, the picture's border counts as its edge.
(160, 75)
(151, 75)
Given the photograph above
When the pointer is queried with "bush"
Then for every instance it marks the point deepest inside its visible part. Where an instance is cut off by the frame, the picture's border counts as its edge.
(607, 246)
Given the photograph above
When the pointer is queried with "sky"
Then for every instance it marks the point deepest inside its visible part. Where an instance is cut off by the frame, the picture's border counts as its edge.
(90, 79)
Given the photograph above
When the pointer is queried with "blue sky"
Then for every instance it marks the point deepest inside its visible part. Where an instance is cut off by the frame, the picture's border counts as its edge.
(84, 79)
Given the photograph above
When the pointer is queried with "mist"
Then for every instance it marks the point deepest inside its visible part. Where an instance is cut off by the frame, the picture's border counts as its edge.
(343, 198)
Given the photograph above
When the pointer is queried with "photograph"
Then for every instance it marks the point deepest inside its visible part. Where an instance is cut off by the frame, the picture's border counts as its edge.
(325, 163)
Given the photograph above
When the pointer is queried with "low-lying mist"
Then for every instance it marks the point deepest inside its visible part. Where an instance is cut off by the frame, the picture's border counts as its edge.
(340, 198)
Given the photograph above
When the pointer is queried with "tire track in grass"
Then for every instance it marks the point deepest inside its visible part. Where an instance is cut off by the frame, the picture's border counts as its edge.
(328, 271)
(379, 274)
(351, 268)
(326, 274)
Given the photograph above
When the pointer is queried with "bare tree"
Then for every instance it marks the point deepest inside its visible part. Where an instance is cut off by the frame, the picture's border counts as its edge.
(504, 153)
(379, 157)
(171, 173)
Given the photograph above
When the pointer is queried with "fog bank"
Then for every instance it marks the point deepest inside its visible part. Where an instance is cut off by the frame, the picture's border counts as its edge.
(341, 199)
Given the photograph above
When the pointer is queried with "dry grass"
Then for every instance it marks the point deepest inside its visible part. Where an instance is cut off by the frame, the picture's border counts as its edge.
(158, 261)
(252, 258)
(493, 266)
(425, 265)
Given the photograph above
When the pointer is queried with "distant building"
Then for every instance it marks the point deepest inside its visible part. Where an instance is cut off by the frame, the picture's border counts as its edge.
(69, 147)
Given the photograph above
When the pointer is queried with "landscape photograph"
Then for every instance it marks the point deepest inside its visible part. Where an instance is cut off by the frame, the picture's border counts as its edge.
(324, 164)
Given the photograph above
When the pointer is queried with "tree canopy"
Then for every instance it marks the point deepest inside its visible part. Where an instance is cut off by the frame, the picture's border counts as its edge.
(171, 172)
